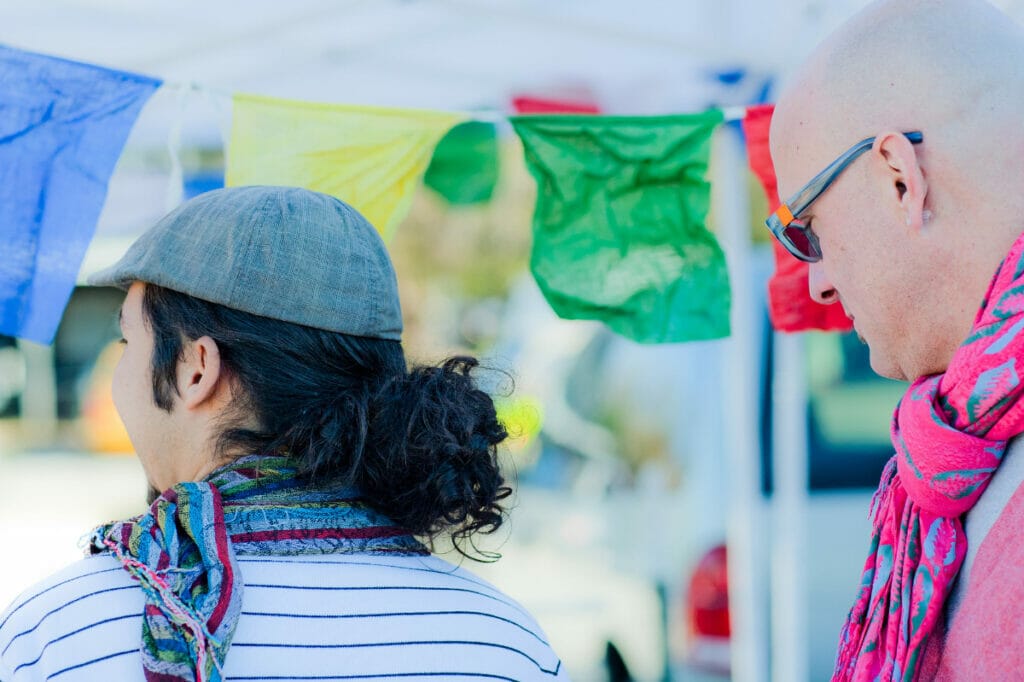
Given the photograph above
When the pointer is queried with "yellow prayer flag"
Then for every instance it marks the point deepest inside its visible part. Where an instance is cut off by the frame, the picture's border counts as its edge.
(370, 157)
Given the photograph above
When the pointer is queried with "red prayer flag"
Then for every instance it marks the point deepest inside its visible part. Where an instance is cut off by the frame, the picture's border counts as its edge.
(525, 104)
(790, 305)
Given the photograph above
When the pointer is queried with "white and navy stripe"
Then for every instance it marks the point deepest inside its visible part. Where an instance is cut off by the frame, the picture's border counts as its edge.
(351, 617)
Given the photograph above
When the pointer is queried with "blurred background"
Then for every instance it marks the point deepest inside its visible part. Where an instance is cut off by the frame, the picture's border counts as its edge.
(650, 538)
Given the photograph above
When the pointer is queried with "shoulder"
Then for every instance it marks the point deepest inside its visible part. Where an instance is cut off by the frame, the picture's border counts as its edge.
(1002, 548)
(995, 581)
(78, 580)
(79, 613)
(998, 504)
(401, 613)
(985, 630)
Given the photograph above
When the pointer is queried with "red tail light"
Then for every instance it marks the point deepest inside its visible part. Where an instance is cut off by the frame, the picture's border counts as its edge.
(707, 600)
(707, 614)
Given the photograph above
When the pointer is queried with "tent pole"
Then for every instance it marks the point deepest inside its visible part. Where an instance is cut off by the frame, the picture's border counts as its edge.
(789, 448)
(744, 529)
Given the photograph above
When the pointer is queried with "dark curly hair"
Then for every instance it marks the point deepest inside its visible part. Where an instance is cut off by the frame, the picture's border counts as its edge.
(419, 445)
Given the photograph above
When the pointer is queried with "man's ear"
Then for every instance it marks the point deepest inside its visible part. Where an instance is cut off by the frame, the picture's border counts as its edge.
(905, 177)
(200, 372)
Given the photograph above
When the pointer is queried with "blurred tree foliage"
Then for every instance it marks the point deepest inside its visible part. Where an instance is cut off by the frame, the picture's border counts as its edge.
(451, 259)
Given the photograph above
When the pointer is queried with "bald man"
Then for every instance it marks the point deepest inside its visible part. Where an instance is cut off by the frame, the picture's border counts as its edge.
(900, 144)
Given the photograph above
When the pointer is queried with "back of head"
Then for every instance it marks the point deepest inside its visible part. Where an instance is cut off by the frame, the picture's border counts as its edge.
(418, 445)
(297, 293)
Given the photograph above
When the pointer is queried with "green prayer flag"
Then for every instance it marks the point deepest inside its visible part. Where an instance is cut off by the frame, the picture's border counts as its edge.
(464, 168)
(618, 231)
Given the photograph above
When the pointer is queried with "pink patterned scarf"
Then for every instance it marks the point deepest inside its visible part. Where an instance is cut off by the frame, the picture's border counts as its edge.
(950, 431)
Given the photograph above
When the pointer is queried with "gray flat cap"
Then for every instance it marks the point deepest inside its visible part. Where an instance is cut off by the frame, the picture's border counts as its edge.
(281, 252)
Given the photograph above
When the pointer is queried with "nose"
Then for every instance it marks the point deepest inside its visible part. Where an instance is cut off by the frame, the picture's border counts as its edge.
(821, 288)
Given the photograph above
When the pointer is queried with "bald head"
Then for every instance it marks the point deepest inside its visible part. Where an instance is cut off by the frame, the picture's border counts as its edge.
(925, 225)
(947, 66)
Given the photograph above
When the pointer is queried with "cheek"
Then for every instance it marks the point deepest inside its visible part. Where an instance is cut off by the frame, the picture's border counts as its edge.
(123, 387)
(117, 383)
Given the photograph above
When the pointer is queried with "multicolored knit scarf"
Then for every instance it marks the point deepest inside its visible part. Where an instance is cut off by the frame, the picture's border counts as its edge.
(183, 554)
(950, 431)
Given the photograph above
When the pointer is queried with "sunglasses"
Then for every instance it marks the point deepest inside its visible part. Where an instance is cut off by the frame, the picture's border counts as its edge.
(795, 234)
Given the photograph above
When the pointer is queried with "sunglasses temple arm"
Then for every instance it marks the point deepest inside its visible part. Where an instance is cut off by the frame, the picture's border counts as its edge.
(825, 178)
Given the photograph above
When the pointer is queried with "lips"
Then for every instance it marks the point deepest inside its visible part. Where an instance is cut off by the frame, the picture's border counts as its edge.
(846, 310)
(853, 323)
(855, 330)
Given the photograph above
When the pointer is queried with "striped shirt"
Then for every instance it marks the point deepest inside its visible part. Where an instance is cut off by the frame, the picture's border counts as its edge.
(333, 617)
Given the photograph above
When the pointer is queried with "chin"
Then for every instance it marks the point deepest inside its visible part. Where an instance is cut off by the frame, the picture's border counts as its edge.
(888, 370)
(885, 366)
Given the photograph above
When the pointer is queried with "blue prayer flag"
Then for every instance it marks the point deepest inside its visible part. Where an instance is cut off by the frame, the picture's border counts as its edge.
(62, 128)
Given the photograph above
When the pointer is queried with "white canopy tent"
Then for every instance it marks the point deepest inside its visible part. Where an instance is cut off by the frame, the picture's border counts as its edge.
(643, 56)
(428, 53)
